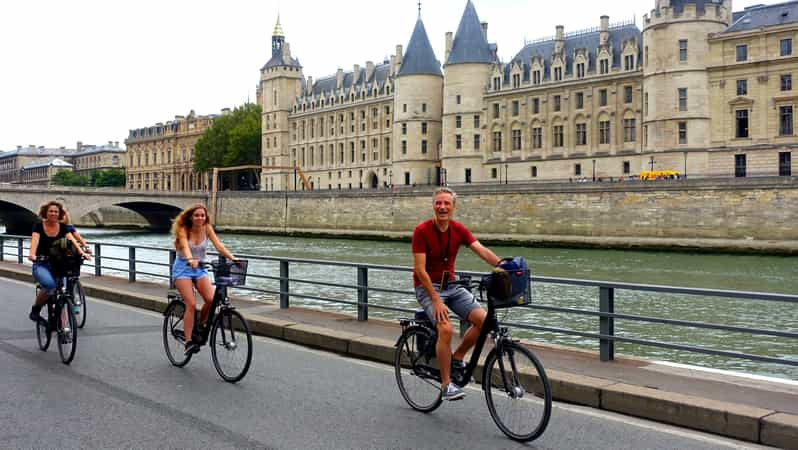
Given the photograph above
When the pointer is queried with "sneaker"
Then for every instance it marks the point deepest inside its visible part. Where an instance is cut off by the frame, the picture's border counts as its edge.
(452, 392)
(458, 364)
(191, 348)
(35, 314)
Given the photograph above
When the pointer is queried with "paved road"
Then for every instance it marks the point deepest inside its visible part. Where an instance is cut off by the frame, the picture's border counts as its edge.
(120, 391)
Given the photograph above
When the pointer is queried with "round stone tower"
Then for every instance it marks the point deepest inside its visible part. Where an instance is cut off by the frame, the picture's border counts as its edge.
(676, 106)
(469, 61)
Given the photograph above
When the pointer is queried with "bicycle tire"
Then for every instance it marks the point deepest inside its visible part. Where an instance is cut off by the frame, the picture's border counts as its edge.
(174, 341)
(42, 334)
(78, 294)
(230, 332)
(416, 370)
(517, 392)
(66, 332)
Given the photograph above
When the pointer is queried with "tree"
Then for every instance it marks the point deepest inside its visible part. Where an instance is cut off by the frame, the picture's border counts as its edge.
(70, 178)
(232, 140)
(109, 177)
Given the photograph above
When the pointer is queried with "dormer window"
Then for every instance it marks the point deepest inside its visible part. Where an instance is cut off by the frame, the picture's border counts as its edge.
(497, 83)
(557, 73)
(604, 66)
(516, 80)
(536, 77)
(629, 62)
(580, 70)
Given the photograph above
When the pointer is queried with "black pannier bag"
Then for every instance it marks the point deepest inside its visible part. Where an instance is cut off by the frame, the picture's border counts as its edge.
(509, 284)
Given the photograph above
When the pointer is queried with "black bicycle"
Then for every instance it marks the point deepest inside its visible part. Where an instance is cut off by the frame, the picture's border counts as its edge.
(516, 387)
(230, 338)
(60, 314)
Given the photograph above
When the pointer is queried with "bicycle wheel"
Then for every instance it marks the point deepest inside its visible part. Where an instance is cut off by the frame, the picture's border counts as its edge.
(42, 334)
(416, 368)
(231, 345)
(174, 342)
(79, 297)
(67, 333)
(517, 392)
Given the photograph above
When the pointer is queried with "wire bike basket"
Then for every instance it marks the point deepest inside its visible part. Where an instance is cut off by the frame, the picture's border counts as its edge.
(229, 273)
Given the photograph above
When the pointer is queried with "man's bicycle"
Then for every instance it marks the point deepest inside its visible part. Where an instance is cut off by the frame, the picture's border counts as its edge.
(60, 315)
(230, 338)
(516, 387)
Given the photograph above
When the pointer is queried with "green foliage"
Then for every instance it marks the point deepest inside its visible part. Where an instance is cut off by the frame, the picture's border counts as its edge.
(70, 178)
(232, 140)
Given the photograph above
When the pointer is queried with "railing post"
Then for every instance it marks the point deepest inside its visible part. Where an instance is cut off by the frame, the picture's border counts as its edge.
(98, 271)
(362, 293)
(2, 248)
(19, 251)
(284, 285)
(172, 256)
(131, 264)
(607, 324)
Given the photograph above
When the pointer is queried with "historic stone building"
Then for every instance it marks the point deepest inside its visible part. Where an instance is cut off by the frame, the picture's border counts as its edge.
(37, 165)
(700, 90)
(161, 156)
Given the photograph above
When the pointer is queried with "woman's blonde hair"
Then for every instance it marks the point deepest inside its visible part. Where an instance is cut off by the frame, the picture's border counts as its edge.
(184, 222)
(66, 220)
(43, 209)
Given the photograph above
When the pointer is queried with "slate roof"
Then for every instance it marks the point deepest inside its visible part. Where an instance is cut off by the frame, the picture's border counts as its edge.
(55, 163)
(278, 61)
(419, 57)
(38, 151)
(754, 17)
(588, 41)
(470, 44)
(328, 84)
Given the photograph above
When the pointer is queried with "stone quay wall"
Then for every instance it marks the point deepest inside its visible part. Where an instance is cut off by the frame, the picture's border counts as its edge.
(721, 214)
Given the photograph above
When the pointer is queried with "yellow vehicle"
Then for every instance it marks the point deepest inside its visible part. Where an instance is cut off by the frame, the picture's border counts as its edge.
(660, 175)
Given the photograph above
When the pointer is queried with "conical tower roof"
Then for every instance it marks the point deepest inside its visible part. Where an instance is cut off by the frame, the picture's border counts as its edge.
(470, 44)
(419, 57)
(278, 29)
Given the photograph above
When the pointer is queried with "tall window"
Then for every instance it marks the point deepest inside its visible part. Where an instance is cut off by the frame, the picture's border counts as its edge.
(739, 166)
(682, 99)
(742, 87)
(516, 80)
(629, 130)
(423, 107)
(627, 94)
(423, 146)
(742, 123)
(683, 50)
(602, 97)
(497, 83)
(458, 99)
(604, 132)
(534, 171)
(742, 53)
(577, 169)
(581, 134)
(516, 139)
(515, 107)
(497, 141)
(580, 70)
(557, 73)
(682, 132)
(786, 82)
(580, 100)
(558, 136)
(494, 172)
(785, 47)
(535, 105)
(458, 121)
(785, 121)
(424, 127)
(476, 142)
(458, 141)
(626, 168)
(476, 121)
(536, 77)
(629, 62)
(404, 147)
(604, 66)
(468, 175)
(537, 137)
(785, 164)
(557, 103)
(495, 110)
(404, 128)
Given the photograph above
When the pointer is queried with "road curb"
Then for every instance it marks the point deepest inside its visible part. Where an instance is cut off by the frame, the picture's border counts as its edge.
(723, 418)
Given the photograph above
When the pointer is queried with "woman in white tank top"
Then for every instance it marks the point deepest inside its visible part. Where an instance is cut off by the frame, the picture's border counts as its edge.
(192, 230)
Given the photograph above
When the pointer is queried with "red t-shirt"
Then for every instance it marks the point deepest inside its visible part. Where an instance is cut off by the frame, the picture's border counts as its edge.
(427, 239)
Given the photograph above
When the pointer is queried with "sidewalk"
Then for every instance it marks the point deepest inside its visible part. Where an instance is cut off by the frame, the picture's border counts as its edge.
(744, 408)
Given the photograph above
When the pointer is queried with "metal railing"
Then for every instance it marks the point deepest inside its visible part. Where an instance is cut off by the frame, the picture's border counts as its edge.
(362, 295)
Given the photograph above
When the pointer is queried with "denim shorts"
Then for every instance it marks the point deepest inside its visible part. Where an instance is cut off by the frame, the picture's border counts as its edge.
(181, 270)
(43, 276)
(457, 298)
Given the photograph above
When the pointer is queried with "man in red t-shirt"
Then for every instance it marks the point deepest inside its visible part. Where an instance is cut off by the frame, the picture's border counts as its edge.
(435, 246)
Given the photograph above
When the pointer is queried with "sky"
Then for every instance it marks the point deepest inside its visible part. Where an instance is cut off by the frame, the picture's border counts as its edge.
(91, 70)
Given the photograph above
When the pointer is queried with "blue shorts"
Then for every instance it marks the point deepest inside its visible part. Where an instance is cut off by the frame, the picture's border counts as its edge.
(181, 270)
(43, 276)
(457, 298)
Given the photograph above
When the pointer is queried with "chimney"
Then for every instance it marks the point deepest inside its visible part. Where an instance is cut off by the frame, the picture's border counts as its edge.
(369, 70)
(116, 144)
(604, 35)
(79, 145)
(339, 78)
(559, 39)
(399, 55)
(286, 51)
(448, 45)
(485, 29)
(309, 85)
(355, 73)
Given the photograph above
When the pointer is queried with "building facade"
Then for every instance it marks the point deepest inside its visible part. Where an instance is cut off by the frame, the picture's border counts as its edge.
(161, 156)
(37, 165)
(701, 90)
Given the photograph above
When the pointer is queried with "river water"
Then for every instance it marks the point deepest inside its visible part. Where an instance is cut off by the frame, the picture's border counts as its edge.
(715, 271)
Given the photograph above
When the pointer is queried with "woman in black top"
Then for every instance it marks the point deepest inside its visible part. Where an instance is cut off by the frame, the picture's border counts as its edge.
(46, 233)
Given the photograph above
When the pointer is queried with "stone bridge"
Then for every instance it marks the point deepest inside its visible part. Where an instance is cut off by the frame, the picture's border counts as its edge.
(19, 205)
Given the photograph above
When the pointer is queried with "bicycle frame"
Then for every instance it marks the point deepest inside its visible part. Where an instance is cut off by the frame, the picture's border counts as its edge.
(220, 300)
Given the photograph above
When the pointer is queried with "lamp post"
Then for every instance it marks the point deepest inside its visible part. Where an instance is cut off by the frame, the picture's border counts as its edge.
(651, 163)
(594, 170)
(685, 164)
(505, 173)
